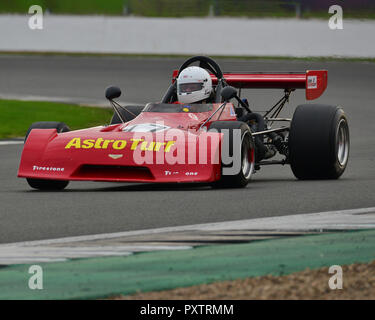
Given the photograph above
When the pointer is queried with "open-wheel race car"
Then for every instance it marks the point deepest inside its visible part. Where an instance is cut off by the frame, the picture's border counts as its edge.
(210, 141)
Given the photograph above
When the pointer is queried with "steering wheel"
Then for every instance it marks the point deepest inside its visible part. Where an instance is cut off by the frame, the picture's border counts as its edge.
(204, 62)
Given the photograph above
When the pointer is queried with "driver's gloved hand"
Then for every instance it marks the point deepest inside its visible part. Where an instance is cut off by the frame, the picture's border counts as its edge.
(244, 100)
(241, 113)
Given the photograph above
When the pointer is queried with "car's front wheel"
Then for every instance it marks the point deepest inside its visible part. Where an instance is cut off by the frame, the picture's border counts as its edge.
(239, 148)
(45, 184)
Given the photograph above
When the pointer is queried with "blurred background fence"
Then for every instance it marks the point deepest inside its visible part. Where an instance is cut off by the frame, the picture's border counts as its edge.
(197, 8)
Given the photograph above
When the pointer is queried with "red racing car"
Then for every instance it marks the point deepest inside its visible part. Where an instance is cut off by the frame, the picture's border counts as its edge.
(216, 141)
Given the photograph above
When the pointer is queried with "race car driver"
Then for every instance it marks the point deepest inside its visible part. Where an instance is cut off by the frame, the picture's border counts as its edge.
(194, 85)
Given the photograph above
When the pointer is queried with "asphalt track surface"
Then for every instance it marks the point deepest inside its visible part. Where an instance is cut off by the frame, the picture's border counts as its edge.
(91, 208)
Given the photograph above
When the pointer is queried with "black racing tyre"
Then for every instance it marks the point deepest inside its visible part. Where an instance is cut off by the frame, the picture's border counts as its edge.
(44, 184)
(319, 142)
(128, 116)
(59, 126)
(247, 149)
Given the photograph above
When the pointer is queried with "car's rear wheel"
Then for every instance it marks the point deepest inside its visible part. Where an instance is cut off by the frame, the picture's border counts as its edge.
(128, 116)
(45, 184)
(319, 142)
(239, 176)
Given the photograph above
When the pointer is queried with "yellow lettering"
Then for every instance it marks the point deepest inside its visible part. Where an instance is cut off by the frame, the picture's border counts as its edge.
(98, 142)
(75, 142)
(158, 145)
(150, 147)
(135, 143)
(169, 146)
(88, 144)
(106, 143)
(143, 145)
(119, 144)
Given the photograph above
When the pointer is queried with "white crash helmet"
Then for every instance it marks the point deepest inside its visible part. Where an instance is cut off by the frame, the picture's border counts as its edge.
(193, 85)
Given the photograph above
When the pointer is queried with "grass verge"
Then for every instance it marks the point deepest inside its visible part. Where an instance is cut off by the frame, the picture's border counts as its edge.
(183, 8)
(104, 277)
(358, 283)
(17, 116)
(108, 7)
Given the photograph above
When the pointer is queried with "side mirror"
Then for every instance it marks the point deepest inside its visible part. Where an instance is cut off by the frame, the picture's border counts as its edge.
(228, 93)
(112, 93)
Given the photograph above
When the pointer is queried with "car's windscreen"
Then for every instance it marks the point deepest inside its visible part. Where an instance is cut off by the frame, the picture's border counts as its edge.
(177, 108)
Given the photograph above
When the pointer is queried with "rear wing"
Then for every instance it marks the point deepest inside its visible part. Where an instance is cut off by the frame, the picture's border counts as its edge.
(314, 81)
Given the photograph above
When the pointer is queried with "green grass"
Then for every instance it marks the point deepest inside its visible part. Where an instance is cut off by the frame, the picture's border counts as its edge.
(110, 7)
(149, 8)
(169, 8)
(256, 8)
(17, 116)
(179, 8)
(368, 13)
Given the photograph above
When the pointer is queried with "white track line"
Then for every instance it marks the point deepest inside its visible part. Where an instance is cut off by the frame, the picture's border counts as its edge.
(338, 220)
(5, 143)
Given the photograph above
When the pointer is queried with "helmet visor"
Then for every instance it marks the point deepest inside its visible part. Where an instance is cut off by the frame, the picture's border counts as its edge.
(190, 87)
